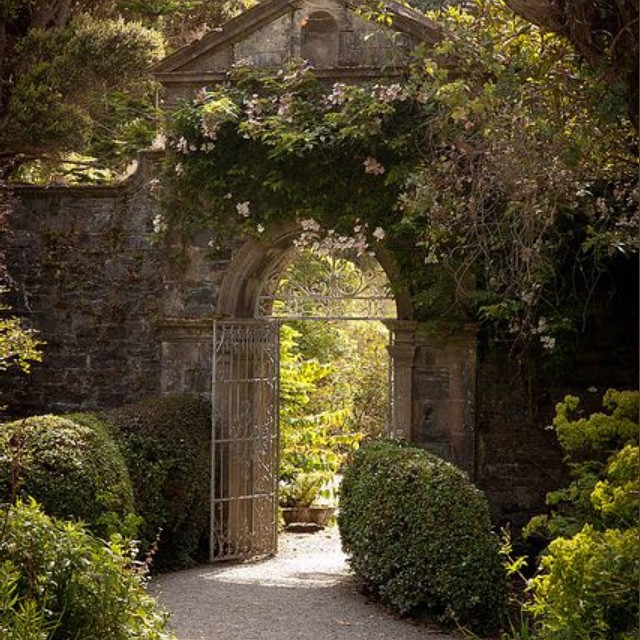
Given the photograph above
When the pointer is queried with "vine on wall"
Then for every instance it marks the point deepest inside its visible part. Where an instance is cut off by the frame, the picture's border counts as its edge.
(498, 160)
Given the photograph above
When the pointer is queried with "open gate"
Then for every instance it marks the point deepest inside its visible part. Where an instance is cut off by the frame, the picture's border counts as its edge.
(244, 450)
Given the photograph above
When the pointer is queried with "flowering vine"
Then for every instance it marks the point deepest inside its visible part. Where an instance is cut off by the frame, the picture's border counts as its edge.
(485, 172)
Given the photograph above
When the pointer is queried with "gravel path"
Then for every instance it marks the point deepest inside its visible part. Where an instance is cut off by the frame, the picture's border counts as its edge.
(305, 593)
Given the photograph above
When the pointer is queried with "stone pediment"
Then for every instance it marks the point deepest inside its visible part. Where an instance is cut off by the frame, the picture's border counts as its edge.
(330, 34)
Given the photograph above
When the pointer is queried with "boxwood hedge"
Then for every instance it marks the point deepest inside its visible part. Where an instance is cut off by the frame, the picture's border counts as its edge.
(166, 444)
(71, 466)
(419, 536)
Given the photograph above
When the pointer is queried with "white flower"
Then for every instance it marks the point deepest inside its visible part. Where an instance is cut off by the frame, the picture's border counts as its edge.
(159, 225)
(379, 233)
(309, 224)
(179, 169)
(260, 228)
(548, 342)
(243, 209)
(389, 93)
(159, 142)
(338, 95)
(182, 145)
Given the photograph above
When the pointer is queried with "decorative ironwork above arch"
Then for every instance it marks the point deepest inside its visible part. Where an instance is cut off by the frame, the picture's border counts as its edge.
(319, 285)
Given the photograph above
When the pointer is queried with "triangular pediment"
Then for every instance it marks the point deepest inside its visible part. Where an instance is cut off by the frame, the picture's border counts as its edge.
(331, 34)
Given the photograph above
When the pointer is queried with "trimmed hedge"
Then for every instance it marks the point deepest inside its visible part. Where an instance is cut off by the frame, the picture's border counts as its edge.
(166, 443)
(58, 582)
(419, 536)
(71, 466)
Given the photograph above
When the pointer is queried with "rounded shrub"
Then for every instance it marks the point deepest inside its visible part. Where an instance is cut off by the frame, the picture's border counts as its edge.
(166, 443)
(58, 582)
(71, 466)
(419, 536)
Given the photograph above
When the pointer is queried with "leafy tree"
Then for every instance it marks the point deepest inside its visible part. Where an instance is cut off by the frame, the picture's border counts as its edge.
(74, 81)
(182, 21)
(324, 281)
(313, 439)
(519, 189)
(72, 76)
(604, 32)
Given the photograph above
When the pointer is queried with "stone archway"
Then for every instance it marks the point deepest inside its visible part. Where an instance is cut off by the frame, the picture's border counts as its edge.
(244, 380)
(434, 364)
(259, 259)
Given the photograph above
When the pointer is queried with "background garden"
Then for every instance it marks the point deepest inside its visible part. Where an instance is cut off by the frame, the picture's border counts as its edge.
(514, 166)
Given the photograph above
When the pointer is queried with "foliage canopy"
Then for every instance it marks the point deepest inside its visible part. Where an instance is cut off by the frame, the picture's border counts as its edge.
(500, 160)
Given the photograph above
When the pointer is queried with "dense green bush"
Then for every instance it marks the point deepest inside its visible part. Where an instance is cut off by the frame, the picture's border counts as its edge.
(166, 443)
(58, 582)
(70, 465)
(419, 535)
(588, 587)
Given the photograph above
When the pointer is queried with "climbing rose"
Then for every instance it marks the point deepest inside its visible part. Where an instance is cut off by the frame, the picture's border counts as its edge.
(371, 165)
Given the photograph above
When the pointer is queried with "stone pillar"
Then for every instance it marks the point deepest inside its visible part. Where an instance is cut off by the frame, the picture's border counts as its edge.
(444, 393)
(402, 349)
(186, 356)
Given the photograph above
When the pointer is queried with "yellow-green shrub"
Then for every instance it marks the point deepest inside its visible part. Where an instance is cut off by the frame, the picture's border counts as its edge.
(58, 582)
(588, 587)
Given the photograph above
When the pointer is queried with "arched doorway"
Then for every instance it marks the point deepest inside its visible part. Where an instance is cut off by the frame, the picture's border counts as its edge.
(347, 282)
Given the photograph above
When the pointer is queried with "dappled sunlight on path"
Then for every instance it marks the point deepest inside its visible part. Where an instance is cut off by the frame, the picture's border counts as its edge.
(305, 593)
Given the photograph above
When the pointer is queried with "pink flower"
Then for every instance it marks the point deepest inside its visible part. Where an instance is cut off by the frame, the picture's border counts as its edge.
(371, 165)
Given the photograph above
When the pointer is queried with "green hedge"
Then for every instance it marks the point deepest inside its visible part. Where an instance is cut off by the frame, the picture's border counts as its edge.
(419, 536)
(166, 443)
(70, 465)
(58, 582)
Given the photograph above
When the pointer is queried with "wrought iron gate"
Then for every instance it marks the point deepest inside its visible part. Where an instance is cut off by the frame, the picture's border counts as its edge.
(244, 449)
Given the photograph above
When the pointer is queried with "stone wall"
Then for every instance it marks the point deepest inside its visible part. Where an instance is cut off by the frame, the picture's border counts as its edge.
(86, 275)
(518, 459)
(123, 320)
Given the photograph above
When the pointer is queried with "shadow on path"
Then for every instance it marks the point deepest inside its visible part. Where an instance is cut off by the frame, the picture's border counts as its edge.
(305, 593)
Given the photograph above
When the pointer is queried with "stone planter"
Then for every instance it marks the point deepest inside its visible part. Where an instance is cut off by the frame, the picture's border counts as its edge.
(312, 515)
